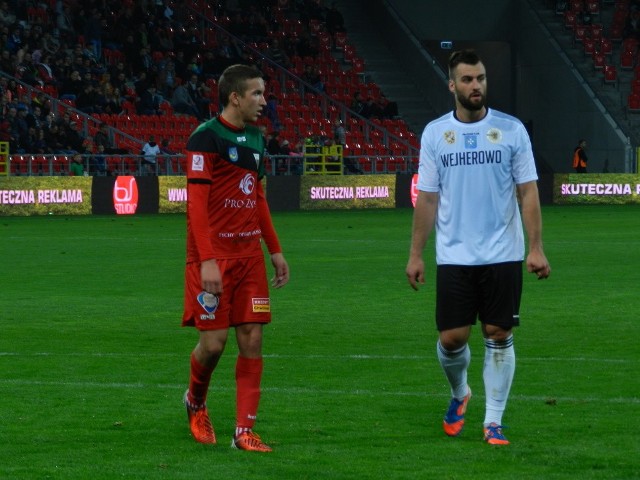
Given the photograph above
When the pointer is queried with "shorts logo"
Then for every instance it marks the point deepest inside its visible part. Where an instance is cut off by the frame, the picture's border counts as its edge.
(261, 304)
(233, 154)
(257, 158)
(208, 301)
(197, 163)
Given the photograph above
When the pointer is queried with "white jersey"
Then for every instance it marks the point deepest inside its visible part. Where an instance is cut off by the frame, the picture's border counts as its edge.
(474, 167)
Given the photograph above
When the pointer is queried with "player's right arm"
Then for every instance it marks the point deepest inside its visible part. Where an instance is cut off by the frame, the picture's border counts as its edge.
(424, 217)
(198, 189)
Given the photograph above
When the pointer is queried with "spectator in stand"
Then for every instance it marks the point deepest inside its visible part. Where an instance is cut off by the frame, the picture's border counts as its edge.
(63, 21)
(149, 103)
(26, 70)
(161, 41)
(149, 152)
(20, 125)
(50, 44)
(93, 33)
(6, 62)
(311, 75)
(119, 81)
(198, 92)
(228, 52)
(166, 79)
(271, 112)
(273, 143)
(99, 162)
(7, 17)
(334, 21)
(357, 105)
(307, 45)
(181, 65)
(114, 101)
(181, 102)
(28, 141)
(130, 48)
(72, 139)
(71, 86)
(277, 54)
(211, 67)
(370, 109)
(257, 28)
(87, 100)
(15, 41)
(40, 144)
(35, 118)
(54, 139)
(339, 133)
(389, 108)
(165, 156)
(103, 138)
(76, 167)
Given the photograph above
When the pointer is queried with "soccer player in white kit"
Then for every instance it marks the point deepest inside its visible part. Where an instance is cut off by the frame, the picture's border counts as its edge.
(475, 163)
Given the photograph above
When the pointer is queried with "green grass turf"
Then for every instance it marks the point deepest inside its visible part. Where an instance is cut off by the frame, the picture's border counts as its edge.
(93, 362)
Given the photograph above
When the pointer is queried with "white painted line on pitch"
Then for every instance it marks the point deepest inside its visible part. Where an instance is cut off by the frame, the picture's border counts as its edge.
(314, 392)
(520, 358)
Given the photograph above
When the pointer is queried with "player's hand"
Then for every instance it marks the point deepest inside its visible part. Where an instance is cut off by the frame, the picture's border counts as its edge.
(415, 273)
(537, 263)
(211, 277)
(281, 276)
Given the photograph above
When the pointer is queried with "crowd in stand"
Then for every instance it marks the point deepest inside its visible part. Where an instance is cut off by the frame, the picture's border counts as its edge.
(102, 56)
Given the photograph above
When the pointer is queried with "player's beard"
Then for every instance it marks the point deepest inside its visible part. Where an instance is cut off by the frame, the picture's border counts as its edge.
(471, 105)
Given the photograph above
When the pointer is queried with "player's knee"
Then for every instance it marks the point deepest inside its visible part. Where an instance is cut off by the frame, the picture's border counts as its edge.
(496, 333)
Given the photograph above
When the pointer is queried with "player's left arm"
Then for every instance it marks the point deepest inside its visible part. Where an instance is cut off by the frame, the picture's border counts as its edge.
(532, 218)
(270, 237)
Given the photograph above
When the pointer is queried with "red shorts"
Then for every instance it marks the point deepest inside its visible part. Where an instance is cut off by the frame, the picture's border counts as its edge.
(245, 296)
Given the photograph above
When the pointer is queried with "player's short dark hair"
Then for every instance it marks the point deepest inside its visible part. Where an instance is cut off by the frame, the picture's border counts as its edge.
(234, 79)
(468, 57)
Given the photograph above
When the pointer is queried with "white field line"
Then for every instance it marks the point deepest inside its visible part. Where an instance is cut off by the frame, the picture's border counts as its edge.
(313, 357)
(308, 391)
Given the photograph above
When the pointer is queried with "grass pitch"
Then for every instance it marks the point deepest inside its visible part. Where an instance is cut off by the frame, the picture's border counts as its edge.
(94, 363)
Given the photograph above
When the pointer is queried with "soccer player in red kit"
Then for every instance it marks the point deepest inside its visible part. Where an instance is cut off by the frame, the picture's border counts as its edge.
(225, 278)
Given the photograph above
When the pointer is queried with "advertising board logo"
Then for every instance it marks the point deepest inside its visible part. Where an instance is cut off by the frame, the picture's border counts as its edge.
(125, 195)
(414, 189)
(247, 184)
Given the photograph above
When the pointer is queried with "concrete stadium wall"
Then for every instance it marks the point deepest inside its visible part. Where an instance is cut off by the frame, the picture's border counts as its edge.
(548, 95)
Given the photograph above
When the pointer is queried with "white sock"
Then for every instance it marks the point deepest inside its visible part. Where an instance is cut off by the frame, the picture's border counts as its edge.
(499, 367)
(455, 364)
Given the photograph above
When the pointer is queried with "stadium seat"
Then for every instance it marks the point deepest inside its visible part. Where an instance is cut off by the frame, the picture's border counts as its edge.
(593, 7)
(633, 103)
(627, 60)
(606, 47)
(570, 20)
(589, 46)
(599, 60)
(610, 75)
(580, 32)
(19, 165)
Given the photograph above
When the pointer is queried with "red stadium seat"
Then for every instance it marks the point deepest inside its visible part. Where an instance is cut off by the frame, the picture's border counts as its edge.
(633, 103)
(610, 75)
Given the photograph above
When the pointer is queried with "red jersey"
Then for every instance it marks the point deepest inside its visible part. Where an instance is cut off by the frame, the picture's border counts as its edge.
(227, 212)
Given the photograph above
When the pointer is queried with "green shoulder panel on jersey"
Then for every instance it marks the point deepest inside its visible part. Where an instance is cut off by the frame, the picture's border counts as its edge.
(244, 148)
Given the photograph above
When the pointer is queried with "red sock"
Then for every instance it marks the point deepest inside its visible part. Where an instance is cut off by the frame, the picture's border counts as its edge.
(248, 376)
(198, 382)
